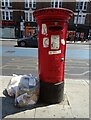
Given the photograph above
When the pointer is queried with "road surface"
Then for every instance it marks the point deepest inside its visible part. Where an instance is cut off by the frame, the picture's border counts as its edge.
(25, 60)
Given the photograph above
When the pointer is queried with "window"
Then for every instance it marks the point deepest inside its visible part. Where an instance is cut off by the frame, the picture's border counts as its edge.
(26, 16)
(60, 4)
(56, 3)
(52, 3)
(85, 6)
(11, 15)
(3, 15)
(77, 4)
(34, 3)
(10, 3)
(30, 4)
(7, 15)
(26, 3)
(3, 4)
(6, 3)
(83, 19)
(79, 19)
(29, 16)
(81, 6)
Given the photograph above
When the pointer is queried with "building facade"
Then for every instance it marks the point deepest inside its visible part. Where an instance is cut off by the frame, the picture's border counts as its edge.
(82, 16)
(18, 21)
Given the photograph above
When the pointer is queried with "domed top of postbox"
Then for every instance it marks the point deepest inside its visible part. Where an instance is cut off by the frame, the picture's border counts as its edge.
(53, 13)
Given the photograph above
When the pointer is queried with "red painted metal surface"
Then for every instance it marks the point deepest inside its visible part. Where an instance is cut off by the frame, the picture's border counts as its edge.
(52, 26)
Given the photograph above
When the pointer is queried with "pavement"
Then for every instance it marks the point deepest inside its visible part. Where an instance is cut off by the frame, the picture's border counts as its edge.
(79, 42)
(68, 42)
(8, 39)
(74, 105)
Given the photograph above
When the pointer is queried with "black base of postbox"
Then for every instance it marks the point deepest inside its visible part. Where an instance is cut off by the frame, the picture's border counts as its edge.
(51, 93)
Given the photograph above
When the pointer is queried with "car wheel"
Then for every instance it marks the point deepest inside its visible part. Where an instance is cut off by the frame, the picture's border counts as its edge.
(22, 44)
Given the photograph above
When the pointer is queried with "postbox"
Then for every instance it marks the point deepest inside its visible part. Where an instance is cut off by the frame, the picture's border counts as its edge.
(52, 30)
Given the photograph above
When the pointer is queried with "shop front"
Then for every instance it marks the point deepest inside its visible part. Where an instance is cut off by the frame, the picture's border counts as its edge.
(7, 29)
(78, 33)
(30, 28)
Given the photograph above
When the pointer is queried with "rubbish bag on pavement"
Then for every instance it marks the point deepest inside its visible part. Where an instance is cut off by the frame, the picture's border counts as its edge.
(25, 88)
(13, 85)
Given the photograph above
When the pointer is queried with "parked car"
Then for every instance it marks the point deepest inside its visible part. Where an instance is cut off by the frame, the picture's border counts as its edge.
(28, 41)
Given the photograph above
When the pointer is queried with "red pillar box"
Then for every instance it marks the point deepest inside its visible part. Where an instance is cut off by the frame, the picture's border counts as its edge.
(52, 26)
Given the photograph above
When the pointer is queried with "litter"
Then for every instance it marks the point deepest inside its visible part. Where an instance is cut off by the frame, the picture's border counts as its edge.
(25, 88)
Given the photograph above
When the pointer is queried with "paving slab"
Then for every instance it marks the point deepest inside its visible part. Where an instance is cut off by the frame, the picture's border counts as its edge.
(61, 110)
(78, 97)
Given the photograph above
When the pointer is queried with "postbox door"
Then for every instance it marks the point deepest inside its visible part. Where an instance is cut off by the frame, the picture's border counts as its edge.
(51, 54)
(56, 58)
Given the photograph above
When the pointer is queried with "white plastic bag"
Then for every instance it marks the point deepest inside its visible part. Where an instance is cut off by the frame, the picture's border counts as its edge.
(13, 85)
(25, 88)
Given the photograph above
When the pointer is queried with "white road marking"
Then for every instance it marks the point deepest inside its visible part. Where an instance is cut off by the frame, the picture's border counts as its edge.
(77, 67)
(84, 73)
(66, 70)
(72, 62)
(87, 63)
(87, 48)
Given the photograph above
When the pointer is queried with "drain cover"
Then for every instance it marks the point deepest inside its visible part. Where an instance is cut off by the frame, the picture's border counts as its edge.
(10, 51)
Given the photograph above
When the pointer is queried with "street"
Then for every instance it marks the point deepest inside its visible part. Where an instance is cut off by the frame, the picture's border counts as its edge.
(17, 60)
